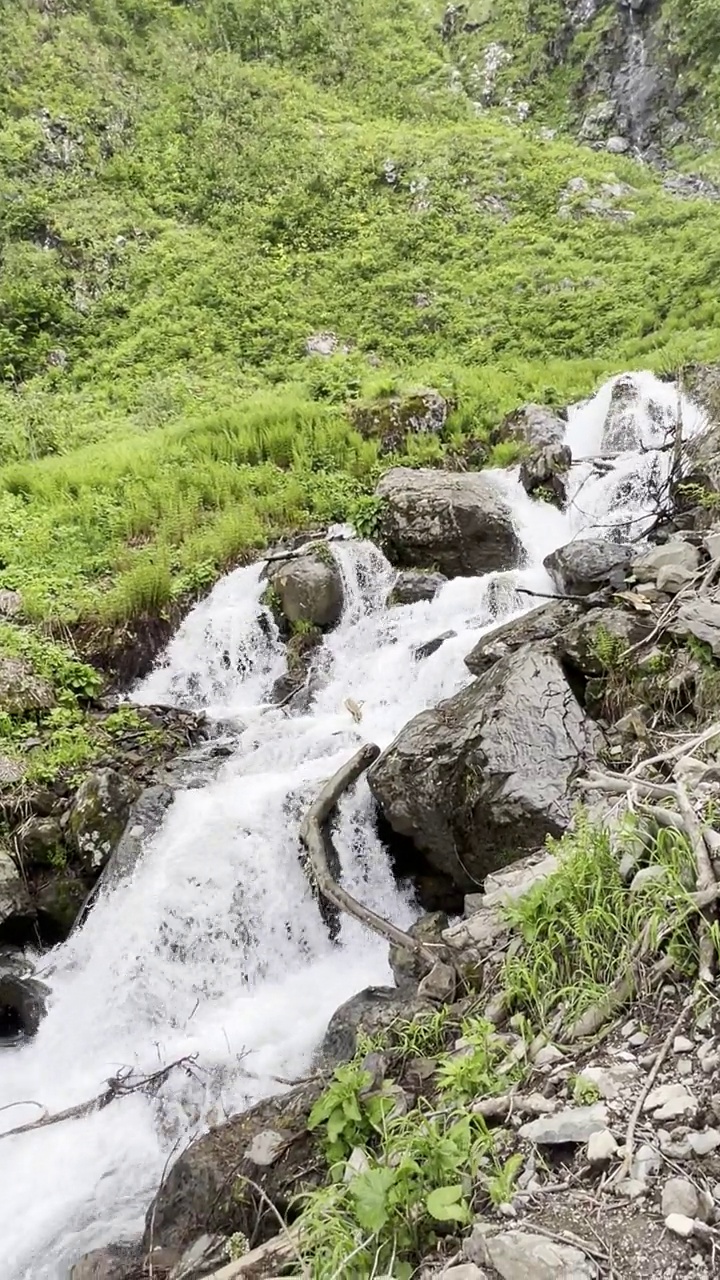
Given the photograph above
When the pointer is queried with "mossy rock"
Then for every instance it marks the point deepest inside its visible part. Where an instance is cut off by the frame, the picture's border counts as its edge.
(98, 816)
(391, 420)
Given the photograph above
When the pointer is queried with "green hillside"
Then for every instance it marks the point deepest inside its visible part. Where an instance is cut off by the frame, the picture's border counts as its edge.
(189, 191)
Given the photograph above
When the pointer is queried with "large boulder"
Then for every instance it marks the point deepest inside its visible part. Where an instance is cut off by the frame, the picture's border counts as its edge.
(598, 639)
(206, 1188)
(482, 779)
(368, 1012)
(392, 419)
(531, 424)
(541, 624)
(59, 903)
(456, 522)
(22, 691)
(588, 565)
(98, 816)
(307, 590)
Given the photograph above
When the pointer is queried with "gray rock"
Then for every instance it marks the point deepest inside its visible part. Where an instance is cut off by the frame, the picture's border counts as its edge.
(680, 1225)
(464, 1271)
(439, 984)
(584, 642)
(505, 887)
(617, 145)
(392, 419)
(205, 1255)
(584, 566)
(675, 555)
(680, 1196)
(574, 1125)
(483, 930)
(11, 770)
(41, 840)
(654, 874)
(458, 522)
(430, 647)
(145, 818)
(22, 691)
(412, 586)
(309, 588)
(322, 344)
(22, 998)
(265, 1147)
(701, 619)
(522, 1255)
(704, 1143)
(533, 425)
(610, 1082)
(671, 579)
(544, 470)
(670, 1100)
(540, 624)
(369, 1011)
(646, 1163)
(407, 966)
(681, 1044)
(59, 903)
(10, 603)
(601, 1147)
(116, 1262)
(486, 776)
(98, 816)
(15, 903)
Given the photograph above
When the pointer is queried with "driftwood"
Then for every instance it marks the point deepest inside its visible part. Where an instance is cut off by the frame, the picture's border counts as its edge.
(118, 1086)
(317, 842)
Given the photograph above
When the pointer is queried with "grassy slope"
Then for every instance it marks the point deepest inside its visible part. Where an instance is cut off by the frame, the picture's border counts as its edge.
(212, 182)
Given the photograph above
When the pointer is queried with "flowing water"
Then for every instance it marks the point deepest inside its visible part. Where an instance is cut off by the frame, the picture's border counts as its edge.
(213, 946)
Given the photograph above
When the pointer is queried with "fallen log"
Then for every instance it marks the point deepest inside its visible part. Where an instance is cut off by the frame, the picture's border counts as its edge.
(325, 864)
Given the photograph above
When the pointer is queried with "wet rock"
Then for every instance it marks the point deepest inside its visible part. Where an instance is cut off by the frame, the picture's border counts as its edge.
(540, 624)
(393, 419)
(22, 998)
(483, 779)
(575, 1125)
(22, 691)
(412, 586)
(430, 647)
(701, 619)
(60, 902)
(408, 967)
(309, 588)
(533, 425)
(98, 816)
(457, 522)
(116, 1262)
(586, 565)
(541, 474)
(204, 1190)
(41, 841)
(145, 818)
(522, 1255)
(369, 1011)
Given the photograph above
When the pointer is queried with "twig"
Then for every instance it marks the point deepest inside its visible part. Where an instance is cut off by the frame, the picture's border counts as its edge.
(704, 874)
(291, 1243)
(685, 748)
(300, 551)
(315, 838)
(624, 1169)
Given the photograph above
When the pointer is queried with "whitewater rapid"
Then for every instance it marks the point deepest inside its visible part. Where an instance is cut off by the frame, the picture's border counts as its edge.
(214, 947)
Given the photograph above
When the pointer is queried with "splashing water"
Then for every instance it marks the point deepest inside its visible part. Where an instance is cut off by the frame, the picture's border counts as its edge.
(214, 945)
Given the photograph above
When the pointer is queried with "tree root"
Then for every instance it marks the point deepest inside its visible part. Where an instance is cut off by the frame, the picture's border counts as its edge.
(315, 839)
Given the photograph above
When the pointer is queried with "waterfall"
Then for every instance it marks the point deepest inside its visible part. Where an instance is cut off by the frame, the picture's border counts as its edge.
(213, 948)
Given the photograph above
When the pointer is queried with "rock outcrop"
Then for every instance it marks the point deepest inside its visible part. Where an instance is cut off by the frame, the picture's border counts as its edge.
(98, 816)
(391, 420)
(542, 624)
(483, 778)
(457, 523)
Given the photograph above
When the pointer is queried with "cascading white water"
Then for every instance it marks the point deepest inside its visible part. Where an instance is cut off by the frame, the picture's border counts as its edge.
(214, 946)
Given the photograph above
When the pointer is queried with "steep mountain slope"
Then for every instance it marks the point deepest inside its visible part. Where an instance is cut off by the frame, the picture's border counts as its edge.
(191, 191)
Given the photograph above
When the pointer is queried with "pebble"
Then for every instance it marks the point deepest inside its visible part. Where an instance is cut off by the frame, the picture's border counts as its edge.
(680, 1198)
(684, 1066)
(548, 1056)
(681, 1044)
(601, 1147)
(680, 1225)
(638, 1039)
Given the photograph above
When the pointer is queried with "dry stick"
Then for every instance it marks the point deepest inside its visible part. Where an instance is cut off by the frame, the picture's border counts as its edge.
(624, 1169)
(315, 839)
(704, 873)
(685, 748)
(118, 1087)
(300, 551)
(618, 784)
(284, 1229)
